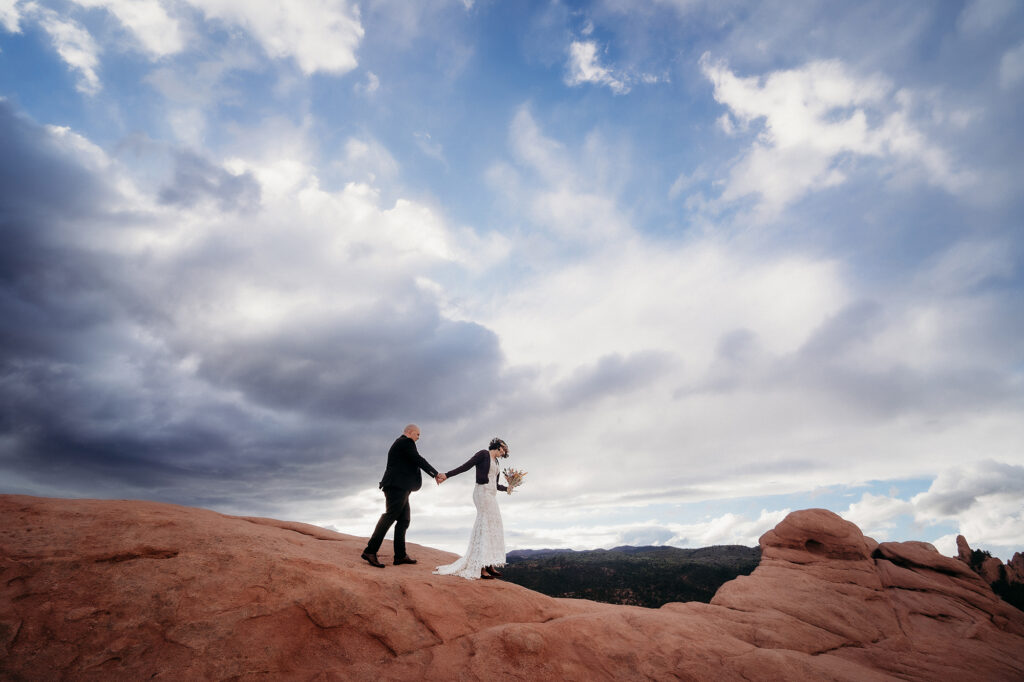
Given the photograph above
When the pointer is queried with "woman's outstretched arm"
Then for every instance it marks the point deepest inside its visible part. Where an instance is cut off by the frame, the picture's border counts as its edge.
(467, 466)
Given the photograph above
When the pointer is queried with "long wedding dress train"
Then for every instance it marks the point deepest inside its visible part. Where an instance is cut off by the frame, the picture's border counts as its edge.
(487, 539)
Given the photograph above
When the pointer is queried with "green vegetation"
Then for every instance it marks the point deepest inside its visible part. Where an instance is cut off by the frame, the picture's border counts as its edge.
(639, 576)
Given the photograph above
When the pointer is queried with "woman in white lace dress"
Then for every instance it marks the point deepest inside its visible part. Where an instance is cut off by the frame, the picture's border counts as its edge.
(487, 540)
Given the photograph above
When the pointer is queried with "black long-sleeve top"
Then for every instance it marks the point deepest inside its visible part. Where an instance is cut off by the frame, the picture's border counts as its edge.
(482, 462)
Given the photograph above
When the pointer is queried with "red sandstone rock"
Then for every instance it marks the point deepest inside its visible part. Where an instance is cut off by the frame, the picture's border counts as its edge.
(963, 550)
(93, 590)
(1015, 569)
(991, 570)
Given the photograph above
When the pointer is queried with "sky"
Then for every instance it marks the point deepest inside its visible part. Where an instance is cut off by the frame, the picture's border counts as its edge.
(700, 263)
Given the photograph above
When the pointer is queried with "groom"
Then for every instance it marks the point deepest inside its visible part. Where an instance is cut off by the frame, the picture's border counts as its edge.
(401, 478)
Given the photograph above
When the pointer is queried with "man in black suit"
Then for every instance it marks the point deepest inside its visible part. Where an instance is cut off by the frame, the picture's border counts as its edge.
(401, 478)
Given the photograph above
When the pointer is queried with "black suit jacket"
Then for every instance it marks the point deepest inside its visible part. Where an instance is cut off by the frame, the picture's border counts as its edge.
(404, 464)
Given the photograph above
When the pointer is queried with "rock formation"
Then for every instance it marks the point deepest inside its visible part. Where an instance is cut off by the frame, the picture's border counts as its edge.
(101, 590)
(990, 568)
(1015, 569)
(1006, 581)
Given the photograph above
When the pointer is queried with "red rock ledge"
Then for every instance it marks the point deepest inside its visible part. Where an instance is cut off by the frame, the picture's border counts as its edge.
(116, 590)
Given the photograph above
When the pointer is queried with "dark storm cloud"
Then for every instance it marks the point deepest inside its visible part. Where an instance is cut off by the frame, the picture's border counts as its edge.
(37, 183)
(386, 363)
(197, 180)
(50, 294)
(101, 393)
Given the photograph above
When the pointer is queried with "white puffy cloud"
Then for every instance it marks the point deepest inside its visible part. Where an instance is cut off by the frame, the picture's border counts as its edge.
(76, 47)
(321, 35)
(634, 297)
(982, 499)
(10, 16)
(147, 20)
(763, 373)
(584, 67)
(628, 295)
(876, 515)
(959, 489)
(728, 529)
(815, 121)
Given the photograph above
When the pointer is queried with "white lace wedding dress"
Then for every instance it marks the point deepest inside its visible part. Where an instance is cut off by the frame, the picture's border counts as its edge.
(487, 539)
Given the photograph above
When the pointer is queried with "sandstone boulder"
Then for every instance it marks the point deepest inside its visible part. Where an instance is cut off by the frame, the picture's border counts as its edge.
(119, 590)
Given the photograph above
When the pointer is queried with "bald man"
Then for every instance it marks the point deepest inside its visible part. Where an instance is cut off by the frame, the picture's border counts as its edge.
(401, 479)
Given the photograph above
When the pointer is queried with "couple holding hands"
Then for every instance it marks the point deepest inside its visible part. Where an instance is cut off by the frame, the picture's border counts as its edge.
(486, 551)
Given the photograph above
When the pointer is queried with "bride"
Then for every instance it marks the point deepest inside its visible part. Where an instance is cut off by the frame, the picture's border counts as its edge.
(487, 540)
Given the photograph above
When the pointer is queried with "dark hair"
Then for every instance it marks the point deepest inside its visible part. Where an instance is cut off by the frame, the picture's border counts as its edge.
(497, 444)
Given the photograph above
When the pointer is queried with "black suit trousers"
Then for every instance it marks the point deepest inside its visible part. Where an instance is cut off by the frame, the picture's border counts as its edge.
(396, 512)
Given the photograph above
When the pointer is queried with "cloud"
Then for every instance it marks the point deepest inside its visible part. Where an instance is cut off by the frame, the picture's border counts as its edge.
(731, 529)
(76, 47)
(816, 123)
(147, 20)
(184, 351)
(583, 67)
(371, 85)
(980, 16)
(429, 147)
(858, 357)
(726, 529)
(778, 369)
(636, 297)
(959, 489)
(981, 499)
(967, 266)
(197, 179)
(1011, 67)
(321, 35)
(10, 16)
(564, 197)
(612, 374)
(876, 515)
(367, 159)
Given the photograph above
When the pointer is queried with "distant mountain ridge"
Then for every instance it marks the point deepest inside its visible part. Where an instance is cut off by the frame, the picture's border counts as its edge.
(648, 576)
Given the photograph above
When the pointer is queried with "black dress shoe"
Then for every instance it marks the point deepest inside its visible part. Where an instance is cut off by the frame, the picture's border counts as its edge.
(404, 560)
(372, 559)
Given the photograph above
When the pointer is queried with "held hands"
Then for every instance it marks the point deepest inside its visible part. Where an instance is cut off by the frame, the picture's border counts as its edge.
(440, 478)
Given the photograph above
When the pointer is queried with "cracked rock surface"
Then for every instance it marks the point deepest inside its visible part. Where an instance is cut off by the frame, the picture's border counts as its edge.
(124, 590)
